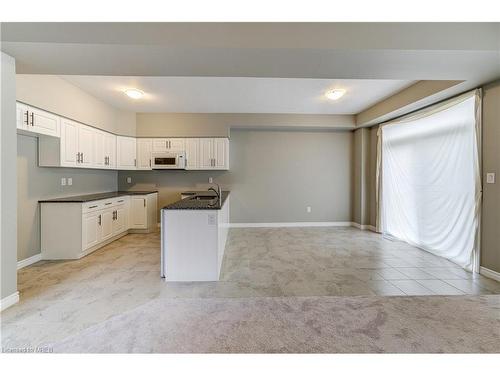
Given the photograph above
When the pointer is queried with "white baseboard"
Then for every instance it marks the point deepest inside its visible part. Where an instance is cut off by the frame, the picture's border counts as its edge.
(292, 224)
(29, 261)
(489, 273)
(9, 301)
(364, 226)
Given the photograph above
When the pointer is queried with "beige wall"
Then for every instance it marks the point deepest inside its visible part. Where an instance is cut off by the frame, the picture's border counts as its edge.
(490, 237)
(273, 177)
(54, 94)
(8, 185)
(361, 171)
(412, 98)
(372, 187)
(219, 124)
(35, 183)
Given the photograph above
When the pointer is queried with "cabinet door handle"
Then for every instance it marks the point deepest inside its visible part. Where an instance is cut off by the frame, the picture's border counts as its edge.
(150, 163)
(144, 202)
(108, 203)
(121, 201)
(82, 157)
(99, 219)
(27, 117)
(166, 143)
(92, 206)
(32, 119)
(77, 157)
(135, 162)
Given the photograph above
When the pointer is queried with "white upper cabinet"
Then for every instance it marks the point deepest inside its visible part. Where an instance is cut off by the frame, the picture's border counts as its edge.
(214, 153)
(192, 153)
(221, 153)
(69, 143)
(144, 146)
(86, 145)
(206, 159)
(73, 144)
(99, 153)
(37, 121)
(110, 150)
(168, 144)
(126, 153)
(42, 122)
(22, 116)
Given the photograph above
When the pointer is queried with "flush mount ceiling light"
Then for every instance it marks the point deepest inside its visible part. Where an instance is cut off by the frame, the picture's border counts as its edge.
(335, 94)
(134, 93)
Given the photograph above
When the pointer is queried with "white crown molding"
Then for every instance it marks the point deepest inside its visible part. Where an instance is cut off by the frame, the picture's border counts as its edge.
(9, 301)
(29, 261)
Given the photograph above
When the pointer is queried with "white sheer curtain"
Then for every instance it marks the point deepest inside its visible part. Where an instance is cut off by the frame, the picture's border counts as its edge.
(429, 179)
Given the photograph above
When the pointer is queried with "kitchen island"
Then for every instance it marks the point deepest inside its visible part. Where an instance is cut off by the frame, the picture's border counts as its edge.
(193, 237)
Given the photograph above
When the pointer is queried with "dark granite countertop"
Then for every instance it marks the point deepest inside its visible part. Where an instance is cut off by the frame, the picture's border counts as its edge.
(194, 204)
(95, 197)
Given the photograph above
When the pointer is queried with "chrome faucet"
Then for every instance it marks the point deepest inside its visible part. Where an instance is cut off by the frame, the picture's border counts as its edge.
(218, 191)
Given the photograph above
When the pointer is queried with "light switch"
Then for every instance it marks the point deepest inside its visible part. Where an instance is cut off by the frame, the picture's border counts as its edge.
(210, 180)
(129, 180)
(490, 178)
(308, 209)
(70, 181)
(63, 181)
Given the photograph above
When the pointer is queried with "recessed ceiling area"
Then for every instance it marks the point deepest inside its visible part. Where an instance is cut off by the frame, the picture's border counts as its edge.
(238, 94)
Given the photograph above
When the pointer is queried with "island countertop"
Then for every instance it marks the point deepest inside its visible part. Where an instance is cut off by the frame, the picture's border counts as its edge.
(96, 197)
(194, 204)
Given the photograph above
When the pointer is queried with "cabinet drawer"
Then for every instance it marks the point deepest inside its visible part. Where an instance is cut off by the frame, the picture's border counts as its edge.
(92, 206)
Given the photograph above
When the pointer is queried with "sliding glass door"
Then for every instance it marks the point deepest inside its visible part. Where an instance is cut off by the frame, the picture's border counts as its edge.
(430, 188)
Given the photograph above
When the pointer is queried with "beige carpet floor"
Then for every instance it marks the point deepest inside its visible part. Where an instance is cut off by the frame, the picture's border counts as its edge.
(430, 324)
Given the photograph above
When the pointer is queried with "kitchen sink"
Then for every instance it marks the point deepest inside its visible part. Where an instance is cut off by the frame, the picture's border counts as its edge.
(204, 197)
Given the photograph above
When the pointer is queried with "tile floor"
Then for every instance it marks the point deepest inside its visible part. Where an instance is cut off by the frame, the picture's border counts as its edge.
(60, 298)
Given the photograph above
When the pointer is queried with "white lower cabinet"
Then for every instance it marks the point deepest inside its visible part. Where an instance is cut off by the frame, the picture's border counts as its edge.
(92, 230)
(106, 222)
(120, 220)
(143, 211)
(73, 230)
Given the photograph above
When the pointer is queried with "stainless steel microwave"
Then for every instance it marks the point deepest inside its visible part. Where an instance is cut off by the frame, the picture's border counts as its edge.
(169, 160)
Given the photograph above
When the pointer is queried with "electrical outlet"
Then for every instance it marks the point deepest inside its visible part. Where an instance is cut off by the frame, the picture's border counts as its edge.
(63, 181)
(308, 209)
(129, 180)
(210, 180)
(490, 178)
(70, 181)
(211, 219)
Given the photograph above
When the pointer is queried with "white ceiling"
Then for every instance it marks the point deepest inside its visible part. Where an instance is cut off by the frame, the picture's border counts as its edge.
(238, 94)
(400, 51)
